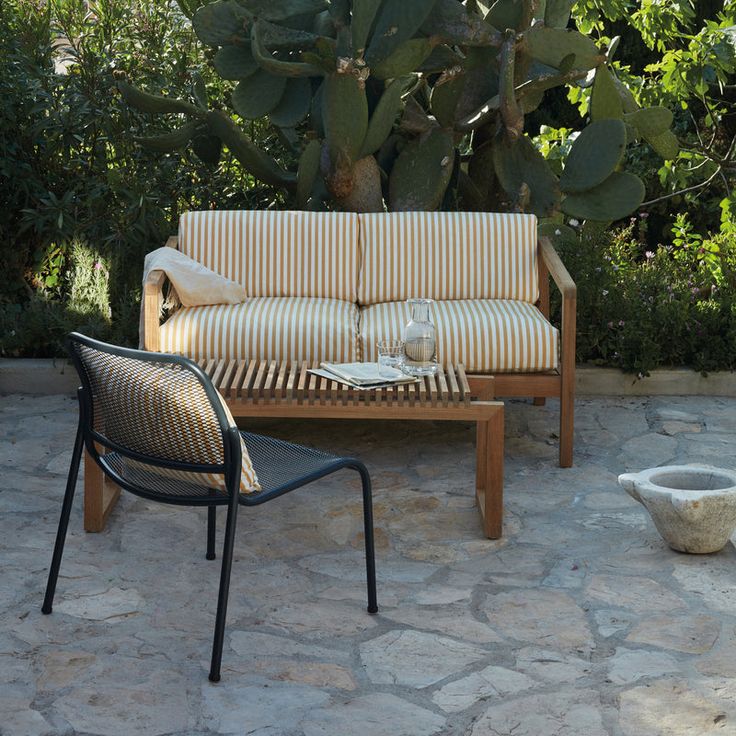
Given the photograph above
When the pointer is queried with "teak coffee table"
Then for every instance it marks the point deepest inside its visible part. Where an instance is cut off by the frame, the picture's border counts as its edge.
(272, 389)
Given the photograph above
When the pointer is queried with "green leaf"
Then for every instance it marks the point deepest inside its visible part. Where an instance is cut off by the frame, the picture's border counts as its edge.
(422, 172)
(404, 60)
(384, 116)
(451, 23)
(308, 170)
(650, 121)
(275, 66)
(345, 115)
(258, 95)
(665, 144)
(552, 45)
(398, 21)
(522, 164)
(294, 104)
(364, 13)
(146, 102)
(221, 22)
(253, 159)
(282, 9)
(557, 13)
(199, 90)
(617, 196)
(505, 14)
(168, 142)
(235, 62)
(594, 155)
(605, 101)
(446, 94)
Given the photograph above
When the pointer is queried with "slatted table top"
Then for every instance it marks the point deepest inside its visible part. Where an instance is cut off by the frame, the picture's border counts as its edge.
(262, 381)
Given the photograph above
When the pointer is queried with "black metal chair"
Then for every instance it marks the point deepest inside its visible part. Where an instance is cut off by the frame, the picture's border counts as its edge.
(157, 427)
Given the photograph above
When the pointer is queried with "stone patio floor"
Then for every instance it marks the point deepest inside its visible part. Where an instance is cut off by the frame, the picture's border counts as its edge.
(580, 622)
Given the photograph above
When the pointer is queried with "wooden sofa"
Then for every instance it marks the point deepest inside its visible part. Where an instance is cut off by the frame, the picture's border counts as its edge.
(327, 286)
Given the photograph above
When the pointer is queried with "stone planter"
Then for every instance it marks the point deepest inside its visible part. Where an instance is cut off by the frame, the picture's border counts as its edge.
(693, 507)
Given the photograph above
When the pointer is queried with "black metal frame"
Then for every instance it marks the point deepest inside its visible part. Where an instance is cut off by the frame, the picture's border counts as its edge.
(87, 437)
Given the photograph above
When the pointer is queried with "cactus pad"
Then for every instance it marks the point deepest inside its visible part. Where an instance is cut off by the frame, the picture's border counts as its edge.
(605, 101)
(222, 22)
(552, 45)
(294, 104)
(521, 168)
(257, 95)
(616, 197)
(422, 172)
(235, 62)
(594, 155)
(397, 21)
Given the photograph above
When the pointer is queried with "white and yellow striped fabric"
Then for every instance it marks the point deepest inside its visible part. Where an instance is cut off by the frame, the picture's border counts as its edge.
(485, 335)
(448, 255)
(306, 254)
(266, 328)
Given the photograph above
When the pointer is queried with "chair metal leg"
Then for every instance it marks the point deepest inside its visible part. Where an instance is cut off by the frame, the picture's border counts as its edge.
(227, 559)
(370, 557)
(211, 522)
(66, 509)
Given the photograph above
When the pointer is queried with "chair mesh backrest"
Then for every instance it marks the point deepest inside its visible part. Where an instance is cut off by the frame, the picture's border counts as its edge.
(157, 409)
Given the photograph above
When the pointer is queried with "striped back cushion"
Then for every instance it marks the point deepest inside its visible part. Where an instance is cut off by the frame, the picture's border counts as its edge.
(159, 410)
(312, 254)
(448, 255)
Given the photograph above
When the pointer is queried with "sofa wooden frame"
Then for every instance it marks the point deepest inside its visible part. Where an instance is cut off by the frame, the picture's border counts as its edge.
(552, 384)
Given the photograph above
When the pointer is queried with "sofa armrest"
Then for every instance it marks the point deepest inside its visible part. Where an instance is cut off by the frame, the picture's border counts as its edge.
(553, 264)
(153, 298)
(556, 269)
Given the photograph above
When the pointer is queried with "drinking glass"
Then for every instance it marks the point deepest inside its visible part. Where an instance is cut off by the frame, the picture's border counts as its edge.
(390, 357)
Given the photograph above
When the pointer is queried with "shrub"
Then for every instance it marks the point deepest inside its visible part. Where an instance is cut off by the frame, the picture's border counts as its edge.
(71, 176)
(640, 309)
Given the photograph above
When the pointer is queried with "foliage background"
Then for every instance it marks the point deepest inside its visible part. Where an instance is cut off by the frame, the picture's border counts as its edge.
(83, 203)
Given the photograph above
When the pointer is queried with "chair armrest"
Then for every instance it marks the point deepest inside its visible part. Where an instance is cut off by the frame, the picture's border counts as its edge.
(153, 299)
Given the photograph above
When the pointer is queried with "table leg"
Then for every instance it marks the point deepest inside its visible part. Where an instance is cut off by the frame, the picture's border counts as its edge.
(100, 496)
(489, 477)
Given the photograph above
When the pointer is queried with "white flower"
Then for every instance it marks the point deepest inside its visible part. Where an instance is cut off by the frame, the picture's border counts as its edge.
(574, 222)
(558, 231)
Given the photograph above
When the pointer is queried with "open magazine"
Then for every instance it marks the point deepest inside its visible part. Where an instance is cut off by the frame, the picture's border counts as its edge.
(361, 375)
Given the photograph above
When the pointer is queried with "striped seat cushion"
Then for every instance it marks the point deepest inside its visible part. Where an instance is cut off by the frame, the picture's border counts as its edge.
(486, 336)
(266, 328)
(448, 255)
(270, 253)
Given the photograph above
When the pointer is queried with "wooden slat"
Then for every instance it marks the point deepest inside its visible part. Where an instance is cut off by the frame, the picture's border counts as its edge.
(227, 378)
(293, 375)
(344, 393)
(217, 371)
(312, 391)
(210, 367)
(432, 389)
(422, 390)
(412, 390)
(237, 384)
(202, 363)
(463, 379)
(257, 388)
(442, 386)
(280, 381)
(302, 383)
(454, 388)
(250, 375)
(269, 382)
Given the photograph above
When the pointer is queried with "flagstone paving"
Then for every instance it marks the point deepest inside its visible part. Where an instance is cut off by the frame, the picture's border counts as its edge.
(579, 622)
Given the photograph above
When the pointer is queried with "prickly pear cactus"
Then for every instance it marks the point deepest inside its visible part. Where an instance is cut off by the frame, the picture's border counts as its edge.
(412, 104)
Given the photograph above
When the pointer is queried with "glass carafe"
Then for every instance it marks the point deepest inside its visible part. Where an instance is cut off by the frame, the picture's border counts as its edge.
(420, 340)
